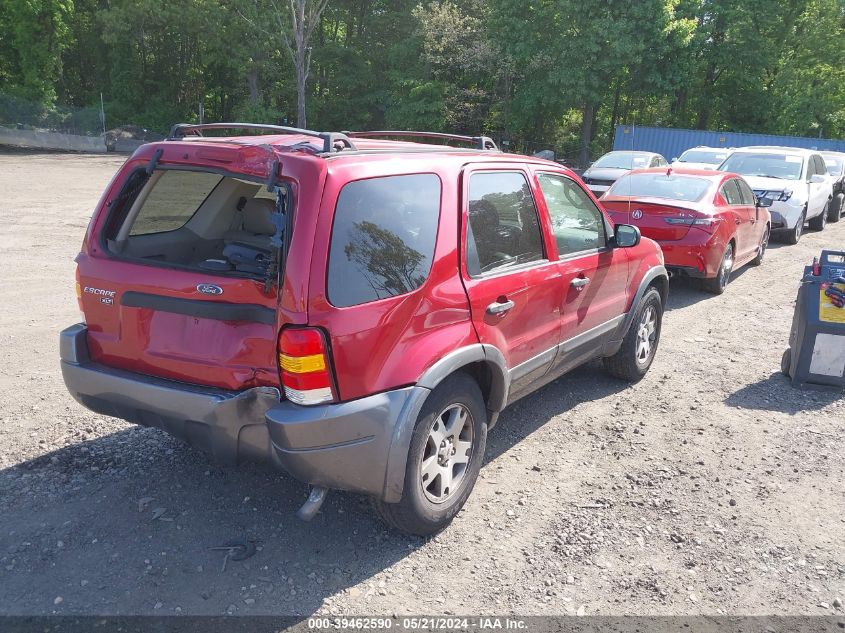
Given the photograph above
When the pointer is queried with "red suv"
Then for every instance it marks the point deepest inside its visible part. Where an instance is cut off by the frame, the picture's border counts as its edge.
(355, 310)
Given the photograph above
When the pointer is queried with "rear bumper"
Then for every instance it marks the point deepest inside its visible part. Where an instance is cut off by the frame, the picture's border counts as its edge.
(345, 446)
(693, 259)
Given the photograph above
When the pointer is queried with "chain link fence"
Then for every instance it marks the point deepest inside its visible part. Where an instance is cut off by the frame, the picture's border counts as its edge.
(26, 123)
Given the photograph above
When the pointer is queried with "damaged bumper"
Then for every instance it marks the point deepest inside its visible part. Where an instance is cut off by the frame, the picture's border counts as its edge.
(353, 445)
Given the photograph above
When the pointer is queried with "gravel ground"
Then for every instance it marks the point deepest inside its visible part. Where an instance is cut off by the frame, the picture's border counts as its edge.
(710, 487)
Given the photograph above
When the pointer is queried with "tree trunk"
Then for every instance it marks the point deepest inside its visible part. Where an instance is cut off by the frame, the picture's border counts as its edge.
(252, 82)
(614, 115)
(586, 134)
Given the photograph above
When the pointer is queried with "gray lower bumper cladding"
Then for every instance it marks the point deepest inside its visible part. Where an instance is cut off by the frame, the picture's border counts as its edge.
(359, 445)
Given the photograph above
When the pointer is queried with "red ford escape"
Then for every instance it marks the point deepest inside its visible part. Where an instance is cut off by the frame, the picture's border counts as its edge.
(354, 310)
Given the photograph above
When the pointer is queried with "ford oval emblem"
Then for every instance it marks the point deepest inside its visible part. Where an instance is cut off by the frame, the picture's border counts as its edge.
(209, 289)
(637, 214)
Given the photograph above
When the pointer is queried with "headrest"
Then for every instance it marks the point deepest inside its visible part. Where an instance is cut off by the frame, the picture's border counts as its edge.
(258, 214)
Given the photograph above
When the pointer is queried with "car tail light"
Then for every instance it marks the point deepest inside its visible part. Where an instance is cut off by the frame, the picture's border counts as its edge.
(706, 222)
(304, 366)
(79, 294)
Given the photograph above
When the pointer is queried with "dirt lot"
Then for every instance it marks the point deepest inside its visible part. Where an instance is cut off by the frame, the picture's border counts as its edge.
(710, 487)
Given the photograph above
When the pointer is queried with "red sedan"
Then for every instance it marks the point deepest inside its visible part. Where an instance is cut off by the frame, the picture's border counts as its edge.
(707, 223)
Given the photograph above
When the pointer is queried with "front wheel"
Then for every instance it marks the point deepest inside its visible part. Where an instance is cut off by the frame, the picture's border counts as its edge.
(761, 250)
(834, 213)
(820, 221)
(716, 285)
(639, 346)
(444, 459)
(792, 237)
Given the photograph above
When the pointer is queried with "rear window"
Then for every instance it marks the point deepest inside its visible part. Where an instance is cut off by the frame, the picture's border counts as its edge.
(671, 187)
(173, 201)
(383, 238)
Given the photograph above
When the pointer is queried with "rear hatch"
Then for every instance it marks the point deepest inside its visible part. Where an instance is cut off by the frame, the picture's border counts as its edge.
(656, 220)
(162, 291)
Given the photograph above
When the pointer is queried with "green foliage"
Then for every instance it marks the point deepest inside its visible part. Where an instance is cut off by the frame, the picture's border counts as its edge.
(557, 74)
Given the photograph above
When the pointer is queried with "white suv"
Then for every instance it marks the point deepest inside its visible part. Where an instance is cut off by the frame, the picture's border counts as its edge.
(795, 179)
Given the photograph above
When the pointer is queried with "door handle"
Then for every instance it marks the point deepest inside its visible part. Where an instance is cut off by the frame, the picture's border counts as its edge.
(500, 307)
(738, 221)
(579, 282)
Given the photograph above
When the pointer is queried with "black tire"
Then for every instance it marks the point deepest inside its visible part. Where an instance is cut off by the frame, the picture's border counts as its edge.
(786, 361)
(625, 363)
(834, 212)
(820, 221)
(716, 285)
(793, 235)
(416, 513)
(761, 250)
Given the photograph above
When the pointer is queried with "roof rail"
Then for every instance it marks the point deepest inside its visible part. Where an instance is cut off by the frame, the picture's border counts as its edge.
(481, 142)
(330, 139)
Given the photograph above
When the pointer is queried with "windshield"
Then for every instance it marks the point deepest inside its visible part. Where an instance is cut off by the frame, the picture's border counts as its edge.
(672, 187)
(622, 160)
(834, 165)
(782, 166)
(702, 156)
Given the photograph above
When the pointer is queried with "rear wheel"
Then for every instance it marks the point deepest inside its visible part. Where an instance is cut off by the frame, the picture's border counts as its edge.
(716, 285)
(446, 451)
(820, 221)
(761, 250)
(834, 213)
(639, 346)
(792, 237)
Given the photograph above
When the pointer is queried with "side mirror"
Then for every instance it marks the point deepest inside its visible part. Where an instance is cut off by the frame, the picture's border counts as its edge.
(626, 236)
(764, 202)
(674, 159)
(817, 179)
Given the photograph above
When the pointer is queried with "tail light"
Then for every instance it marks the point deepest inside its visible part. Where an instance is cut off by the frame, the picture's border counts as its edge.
(304, 366)
(705, 222)
(79, 294)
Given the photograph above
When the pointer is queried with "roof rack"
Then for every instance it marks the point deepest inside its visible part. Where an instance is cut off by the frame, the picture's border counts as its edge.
(483, 143)
(330, 139)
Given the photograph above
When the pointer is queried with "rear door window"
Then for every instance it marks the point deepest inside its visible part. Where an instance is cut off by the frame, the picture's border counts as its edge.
(746, 195)
(731, 192)
(175, 198)
(504, 228)
(383, 238)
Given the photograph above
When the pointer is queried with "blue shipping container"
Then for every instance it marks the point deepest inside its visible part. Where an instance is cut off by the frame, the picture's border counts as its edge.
(671, 142)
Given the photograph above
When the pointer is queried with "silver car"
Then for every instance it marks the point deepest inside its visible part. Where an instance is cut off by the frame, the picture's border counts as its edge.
(610, 167)
(795, 179)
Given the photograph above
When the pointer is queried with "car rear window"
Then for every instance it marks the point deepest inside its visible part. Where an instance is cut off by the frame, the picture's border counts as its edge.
(671, 187)
(175, 198)
(383, 238)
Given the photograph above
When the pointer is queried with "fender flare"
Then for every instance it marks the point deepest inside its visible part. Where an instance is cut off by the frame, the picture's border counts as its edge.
(400, 441)
(653, 273)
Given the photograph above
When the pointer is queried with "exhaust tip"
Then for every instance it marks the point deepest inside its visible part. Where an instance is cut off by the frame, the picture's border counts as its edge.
(313, 503)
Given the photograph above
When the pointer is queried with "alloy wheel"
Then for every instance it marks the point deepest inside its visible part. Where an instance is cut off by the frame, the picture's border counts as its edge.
(646, 335)
(447, 453)
(764, 244)
(727, 267)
